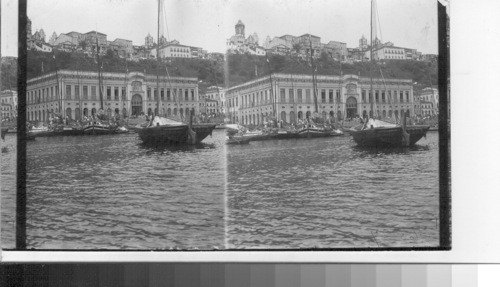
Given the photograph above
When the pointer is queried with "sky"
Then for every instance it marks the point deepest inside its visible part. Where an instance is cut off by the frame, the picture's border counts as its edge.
(209, 23)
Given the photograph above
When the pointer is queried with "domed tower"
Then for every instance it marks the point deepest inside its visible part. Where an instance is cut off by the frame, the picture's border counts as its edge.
(363, 43)
(240, 28)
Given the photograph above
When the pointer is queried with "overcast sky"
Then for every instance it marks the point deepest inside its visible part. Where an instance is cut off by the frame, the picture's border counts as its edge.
(208, 23)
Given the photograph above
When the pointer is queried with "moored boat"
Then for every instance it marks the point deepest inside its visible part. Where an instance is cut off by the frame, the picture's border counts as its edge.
(376, 133)
(99, 129)
(237, 140)
(4, 132)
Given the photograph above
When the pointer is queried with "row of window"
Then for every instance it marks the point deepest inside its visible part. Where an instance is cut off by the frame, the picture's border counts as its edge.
(263, 97)
(257, 119)
(77, 114)
(110, 93)
(175, 94)
(392, 96)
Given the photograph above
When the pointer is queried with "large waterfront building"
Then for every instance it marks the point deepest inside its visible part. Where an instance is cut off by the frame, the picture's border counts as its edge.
(75, 94)
(291, 97)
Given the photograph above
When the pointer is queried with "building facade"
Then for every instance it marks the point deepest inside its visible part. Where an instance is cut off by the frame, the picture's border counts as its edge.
(75, 94)
(8, 101)
(291, 97)
(430, 97)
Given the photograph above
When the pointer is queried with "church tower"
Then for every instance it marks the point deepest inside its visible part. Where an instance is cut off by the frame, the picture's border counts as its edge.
(240, 28)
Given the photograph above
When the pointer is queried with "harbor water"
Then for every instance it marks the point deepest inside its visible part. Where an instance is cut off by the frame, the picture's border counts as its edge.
(327, 193)
(110, 192)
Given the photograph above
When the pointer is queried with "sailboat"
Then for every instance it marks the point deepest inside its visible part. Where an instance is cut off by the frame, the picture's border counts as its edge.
(377, 133)
(163, 131)
(311, 130)
(98, 125)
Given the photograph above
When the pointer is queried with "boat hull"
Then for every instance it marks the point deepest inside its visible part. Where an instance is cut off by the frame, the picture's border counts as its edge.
(202, 131)
(315, 133)
(163, 135)
(387, 136)
(98, 130)
(238, 140)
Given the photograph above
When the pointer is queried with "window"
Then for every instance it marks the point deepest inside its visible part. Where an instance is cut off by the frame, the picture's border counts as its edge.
(162, 95)
(108, 93)
(117, 96)
(168, 94)
(407, 96)
(299, 96)
(186, 95)
(155, 94)
(77, 92)
(383, 97)
(85, 92)
(291, 96)
(308, 96)
(68, 92)
(93, 92)
(192, 95)
(338, 96)
(282, 96)
(124, 94)
(149, 94)
(363, 96)
(323, 96)
(376, 96)
(401, 97)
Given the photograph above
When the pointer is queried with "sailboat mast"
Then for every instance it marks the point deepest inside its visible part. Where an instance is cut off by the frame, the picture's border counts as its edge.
(371, 59)
(313, 77)
(158, 67)
(99, 72)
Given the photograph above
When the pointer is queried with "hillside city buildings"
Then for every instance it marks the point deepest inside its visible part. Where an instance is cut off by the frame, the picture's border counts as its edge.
(87, 43)
(301, 46)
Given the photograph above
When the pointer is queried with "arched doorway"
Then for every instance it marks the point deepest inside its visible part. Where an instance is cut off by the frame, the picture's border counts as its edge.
(68, 113)
(85, 112)
(109, 112)
(351, 107)
(292, 117)
(308, 114)
(124, 112)
(193, 111)
(371, 114)
(117, 111)
(150, 112)
(169, 112)
(364, 114)
(331, 114)
(181, 112)
(78, 115)
(283, 116)
(299, 115)
(396, 114)
(384, 113)
(339, 115)
(175, 111)
(136, 105)
(43, 115)
(323, 114)
(390, 113)
(93, 111)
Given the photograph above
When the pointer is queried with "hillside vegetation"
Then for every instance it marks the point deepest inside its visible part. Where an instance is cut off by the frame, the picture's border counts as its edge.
(240, 68)
(210, 71)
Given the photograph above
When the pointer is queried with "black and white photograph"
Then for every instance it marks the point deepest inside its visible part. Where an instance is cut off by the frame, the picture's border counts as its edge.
(226, 125)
